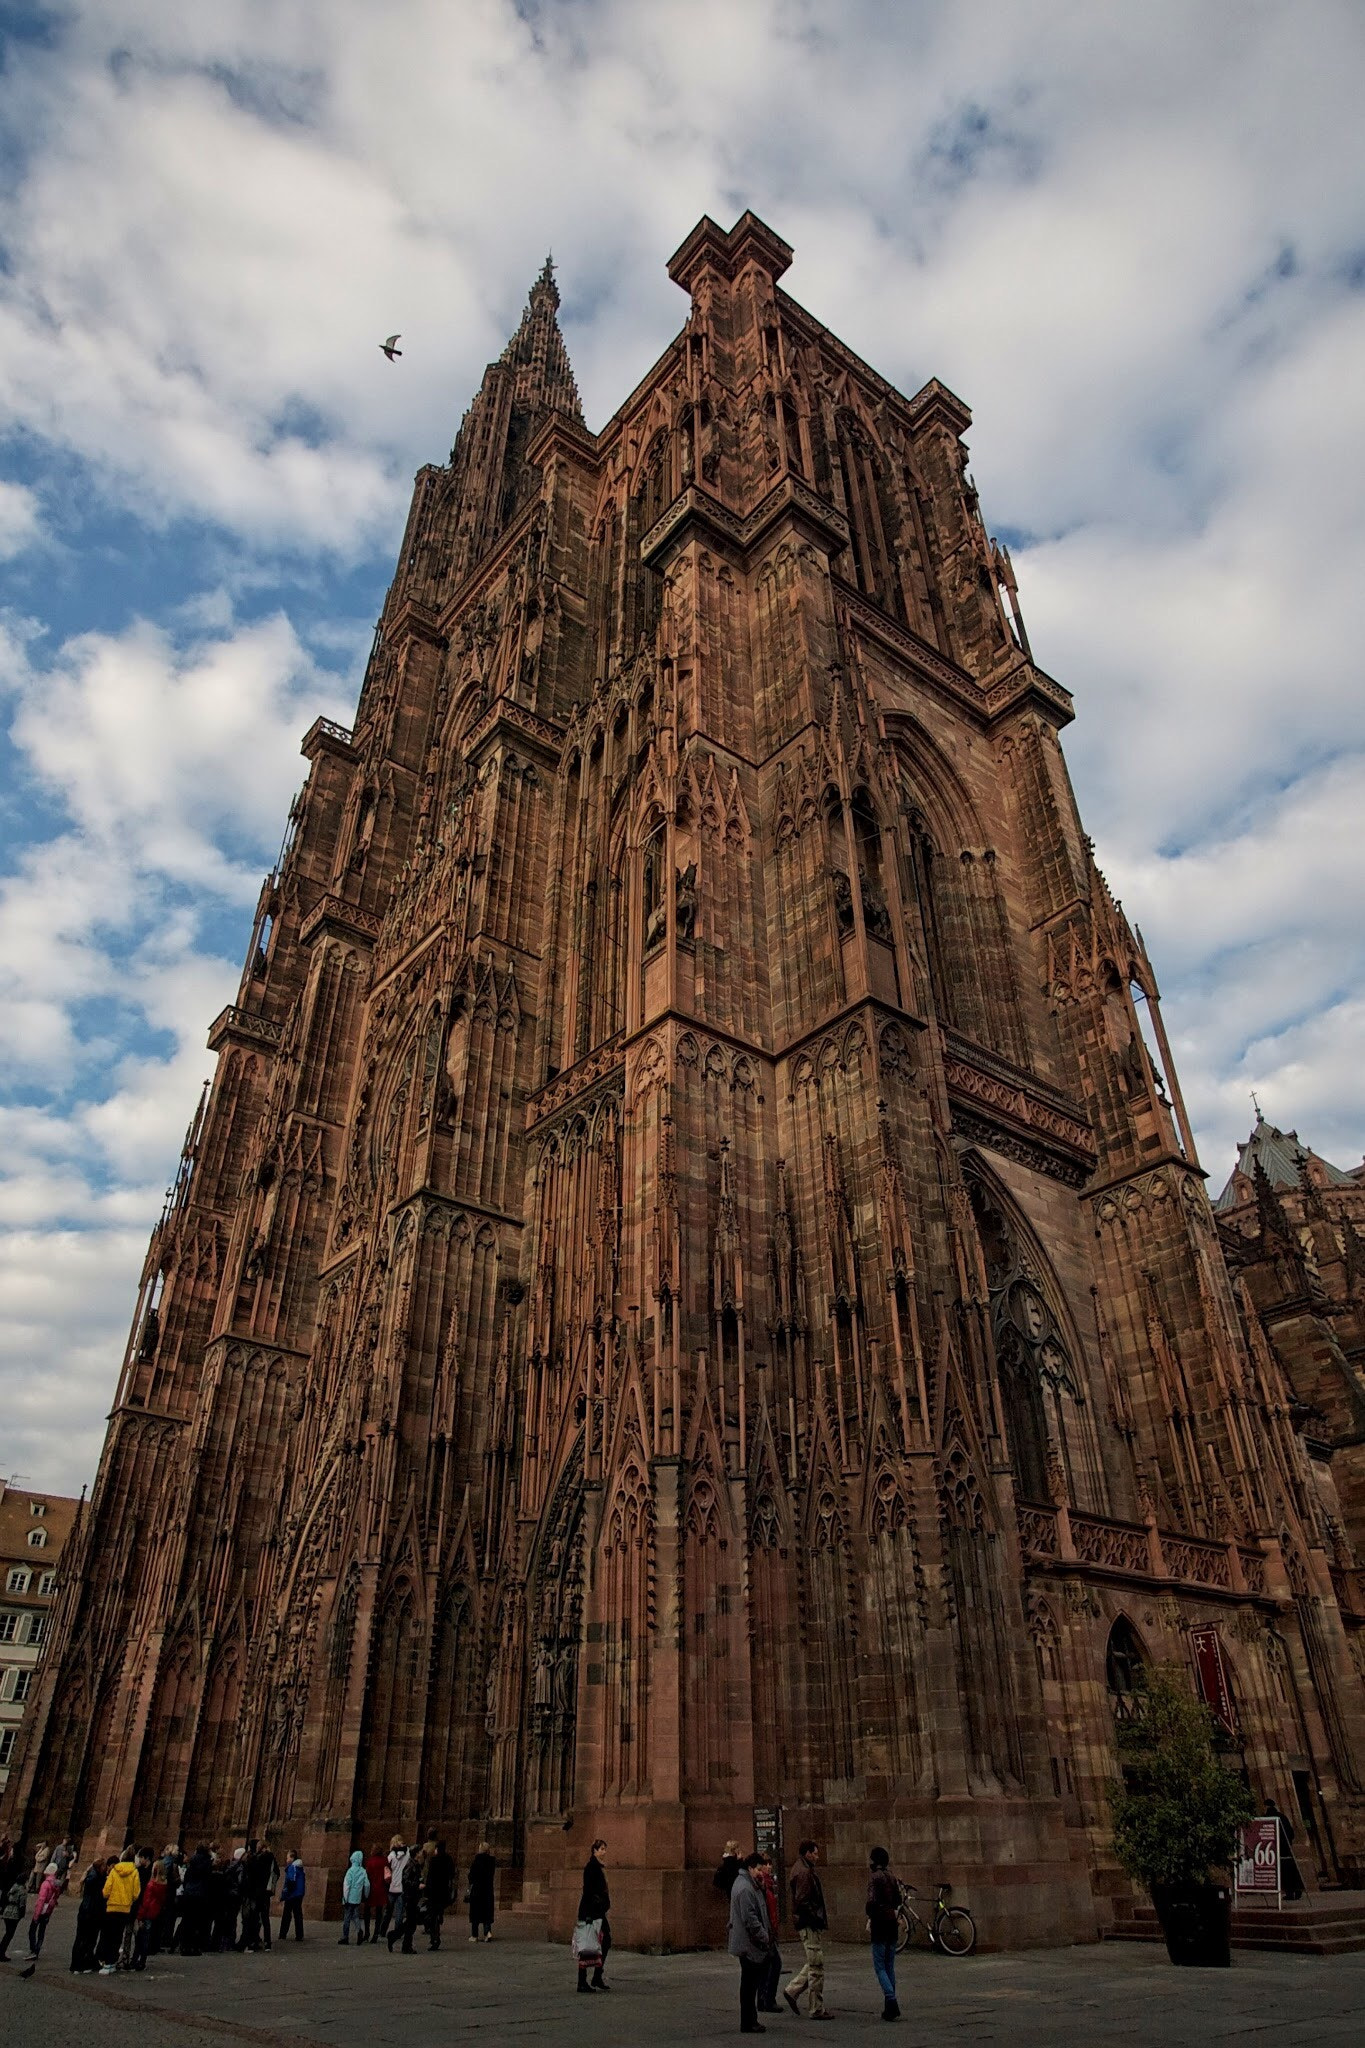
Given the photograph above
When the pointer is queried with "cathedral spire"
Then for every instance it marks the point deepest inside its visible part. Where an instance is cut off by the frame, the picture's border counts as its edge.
(537, 355)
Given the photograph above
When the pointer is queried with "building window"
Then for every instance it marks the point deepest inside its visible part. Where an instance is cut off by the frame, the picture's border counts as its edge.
(22, 1681)
(9, 1627)
(48, 1583)
(17, 1581)
(37, 1507)
(1125, 1672)
(37, 1628)
(37, 1539)
(7, 1739)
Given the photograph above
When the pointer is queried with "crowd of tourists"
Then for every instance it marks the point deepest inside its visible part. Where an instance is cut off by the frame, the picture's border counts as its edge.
(138, 1904)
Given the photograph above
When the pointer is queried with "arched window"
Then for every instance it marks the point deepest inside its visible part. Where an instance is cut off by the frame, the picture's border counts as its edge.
(1125, 1671)
(863, 476)
(791, 436)
(1048, 1425)
(653, 494)
(606, 550)
(868, 840)
(37, 1539)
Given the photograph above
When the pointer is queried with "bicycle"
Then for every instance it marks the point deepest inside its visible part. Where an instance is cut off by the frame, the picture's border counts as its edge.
(951, 1930)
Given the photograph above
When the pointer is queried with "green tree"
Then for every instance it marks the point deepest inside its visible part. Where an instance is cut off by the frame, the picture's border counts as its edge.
(1177, 1812)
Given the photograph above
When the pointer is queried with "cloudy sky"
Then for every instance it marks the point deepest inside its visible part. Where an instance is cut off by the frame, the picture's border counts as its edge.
(1132, 238)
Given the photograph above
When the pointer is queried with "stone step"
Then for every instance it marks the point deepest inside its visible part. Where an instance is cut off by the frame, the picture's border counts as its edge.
(1325, 1923)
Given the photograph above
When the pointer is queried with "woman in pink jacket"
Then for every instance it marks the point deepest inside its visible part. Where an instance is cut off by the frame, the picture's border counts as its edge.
(49, 1891)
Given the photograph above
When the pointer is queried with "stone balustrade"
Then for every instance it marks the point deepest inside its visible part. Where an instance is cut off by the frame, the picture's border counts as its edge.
(1137, 1550)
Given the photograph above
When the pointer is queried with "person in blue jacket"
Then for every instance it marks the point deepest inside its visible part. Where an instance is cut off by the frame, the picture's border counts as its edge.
(291, 1896)
(355, 1889)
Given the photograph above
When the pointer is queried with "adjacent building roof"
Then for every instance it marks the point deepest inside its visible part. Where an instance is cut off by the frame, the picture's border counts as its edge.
(1280, 1155)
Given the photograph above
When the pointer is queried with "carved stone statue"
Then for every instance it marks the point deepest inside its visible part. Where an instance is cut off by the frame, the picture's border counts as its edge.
(843, 901)
(686, 899)
(876, 916)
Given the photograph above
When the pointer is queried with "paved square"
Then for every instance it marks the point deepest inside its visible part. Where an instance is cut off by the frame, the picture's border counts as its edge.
(520, 1991)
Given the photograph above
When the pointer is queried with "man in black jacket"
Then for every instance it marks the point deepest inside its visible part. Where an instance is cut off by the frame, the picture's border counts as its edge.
(810, 1921)
(594, 1903)
(440, 1891)
(412, 1903)
(883, 1925)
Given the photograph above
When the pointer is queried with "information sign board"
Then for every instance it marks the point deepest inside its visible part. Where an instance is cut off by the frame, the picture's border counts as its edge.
(1258, 1856)
(768, 1837)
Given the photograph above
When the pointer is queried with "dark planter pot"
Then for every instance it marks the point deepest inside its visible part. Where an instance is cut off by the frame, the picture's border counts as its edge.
(1196, 1920)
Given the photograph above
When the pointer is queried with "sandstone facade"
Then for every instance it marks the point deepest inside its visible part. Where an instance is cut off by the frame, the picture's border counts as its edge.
(690, 1290)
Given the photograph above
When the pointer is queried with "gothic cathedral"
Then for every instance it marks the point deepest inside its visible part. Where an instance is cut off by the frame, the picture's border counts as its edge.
(691, 1289)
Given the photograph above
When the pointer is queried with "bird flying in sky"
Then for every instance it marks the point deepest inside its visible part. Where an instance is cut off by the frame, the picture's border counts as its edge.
(388, 346)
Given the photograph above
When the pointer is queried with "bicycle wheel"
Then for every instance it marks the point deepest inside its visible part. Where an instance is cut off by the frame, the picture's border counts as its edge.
(911, 1931)
(955, 1931)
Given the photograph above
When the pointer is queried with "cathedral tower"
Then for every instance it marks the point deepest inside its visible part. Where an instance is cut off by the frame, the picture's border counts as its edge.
(690, 1290)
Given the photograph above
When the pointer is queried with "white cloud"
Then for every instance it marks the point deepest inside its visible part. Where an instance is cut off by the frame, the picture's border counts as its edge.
(173, 765)
(1132, 240)
(19, 525)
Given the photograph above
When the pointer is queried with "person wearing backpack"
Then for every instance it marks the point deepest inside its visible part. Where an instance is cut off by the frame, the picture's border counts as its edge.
(122, 1890)
(391, 1925)
(411, 1902)
(12, 1912)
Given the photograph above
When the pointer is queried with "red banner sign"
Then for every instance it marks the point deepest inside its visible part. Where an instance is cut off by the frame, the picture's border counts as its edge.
(1258, 1856)
(1212, 1675)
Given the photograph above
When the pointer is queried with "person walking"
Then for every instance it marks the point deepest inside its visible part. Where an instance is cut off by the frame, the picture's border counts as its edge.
(12, 1906)
(483, 1874)
(122, 1888)
(377, 1871)
(355, 1889)
(149, 1910)
(751, 1939)
(411, 1902)
(594, 1903)
(292, 1889)
(89, 1919)
(883, 1905)
(772, 1974)
(440, 1891)
(810, 1921)
(392, 1923)
(44, 1903)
